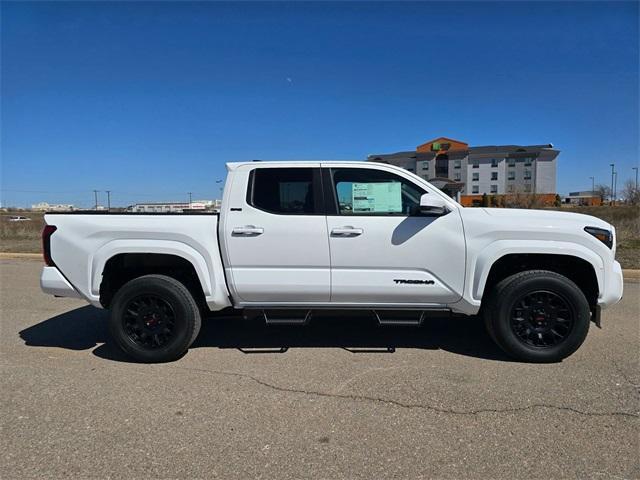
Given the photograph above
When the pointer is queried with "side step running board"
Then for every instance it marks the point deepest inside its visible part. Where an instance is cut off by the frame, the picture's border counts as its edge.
(398, 318)
(272, 317)
(392, 319)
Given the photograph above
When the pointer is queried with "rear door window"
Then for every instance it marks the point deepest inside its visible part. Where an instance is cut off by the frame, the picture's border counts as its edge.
(286, 191)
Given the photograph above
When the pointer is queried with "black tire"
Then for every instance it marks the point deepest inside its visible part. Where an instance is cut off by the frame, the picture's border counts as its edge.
(537, 316)
(154, 318)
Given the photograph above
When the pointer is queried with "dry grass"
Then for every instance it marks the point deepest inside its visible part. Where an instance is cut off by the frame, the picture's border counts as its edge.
(21, 237)
(626, 219)
(25, 236)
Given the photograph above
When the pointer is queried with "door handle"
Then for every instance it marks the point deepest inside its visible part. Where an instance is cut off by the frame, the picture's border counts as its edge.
(346, 232)
(247, 231)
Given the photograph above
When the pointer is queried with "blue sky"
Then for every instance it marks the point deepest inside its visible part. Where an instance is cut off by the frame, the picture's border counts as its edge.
(150, 100)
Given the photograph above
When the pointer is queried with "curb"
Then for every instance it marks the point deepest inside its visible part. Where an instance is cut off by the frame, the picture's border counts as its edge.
(631, 275)
(21, 255)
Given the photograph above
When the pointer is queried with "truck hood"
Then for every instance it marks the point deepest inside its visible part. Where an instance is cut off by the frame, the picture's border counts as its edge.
(548, 217)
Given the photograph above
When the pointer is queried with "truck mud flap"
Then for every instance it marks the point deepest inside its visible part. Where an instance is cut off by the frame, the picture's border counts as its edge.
(596, 316)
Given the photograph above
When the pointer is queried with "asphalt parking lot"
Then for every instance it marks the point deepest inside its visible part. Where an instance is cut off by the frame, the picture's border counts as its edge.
(348, 399)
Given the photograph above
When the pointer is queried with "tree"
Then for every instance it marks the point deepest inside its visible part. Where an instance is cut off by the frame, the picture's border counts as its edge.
(603, 191)
(520, 199)
(558, 201)
(630, 193)
(485, 200)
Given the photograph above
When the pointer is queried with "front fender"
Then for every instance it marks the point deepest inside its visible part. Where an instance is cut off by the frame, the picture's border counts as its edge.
(481, 264)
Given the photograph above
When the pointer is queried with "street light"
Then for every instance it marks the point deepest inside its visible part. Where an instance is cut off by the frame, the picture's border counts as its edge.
(612, 165)
(593, 184)
(636, 169)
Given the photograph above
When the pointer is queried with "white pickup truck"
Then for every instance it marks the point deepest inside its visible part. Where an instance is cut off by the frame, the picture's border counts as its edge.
(293, 238)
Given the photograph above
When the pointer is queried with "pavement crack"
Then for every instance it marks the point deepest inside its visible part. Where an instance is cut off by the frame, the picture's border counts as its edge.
(635, 386)
(365, 398)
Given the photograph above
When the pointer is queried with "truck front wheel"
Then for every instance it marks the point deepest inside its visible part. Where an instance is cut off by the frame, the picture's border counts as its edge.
(154, 318)
(537, 316)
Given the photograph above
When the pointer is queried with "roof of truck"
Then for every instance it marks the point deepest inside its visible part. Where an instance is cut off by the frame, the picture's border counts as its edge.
(234, 165)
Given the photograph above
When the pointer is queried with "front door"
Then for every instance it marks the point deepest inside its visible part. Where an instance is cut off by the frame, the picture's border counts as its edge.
(383, 250)
(276, 236)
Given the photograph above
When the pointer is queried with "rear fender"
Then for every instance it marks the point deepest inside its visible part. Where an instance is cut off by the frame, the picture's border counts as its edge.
(206, 273)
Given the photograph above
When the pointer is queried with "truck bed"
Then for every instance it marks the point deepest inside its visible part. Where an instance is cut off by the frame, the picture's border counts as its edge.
(83, 242)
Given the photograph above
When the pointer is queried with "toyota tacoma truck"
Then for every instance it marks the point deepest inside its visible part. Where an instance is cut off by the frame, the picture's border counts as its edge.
(294, 238)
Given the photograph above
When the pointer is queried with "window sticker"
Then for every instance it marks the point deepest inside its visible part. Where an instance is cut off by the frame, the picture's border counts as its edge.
(385, 197)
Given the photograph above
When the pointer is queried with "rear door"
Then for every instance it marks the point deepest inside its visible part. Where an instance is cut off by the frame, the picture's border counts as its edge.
(383, 250)
(275, 234)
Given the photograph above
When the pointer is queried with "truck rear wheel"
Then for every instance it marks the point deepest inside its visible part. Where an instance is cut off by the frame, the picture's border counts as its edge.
(537, 316)
(154, 318)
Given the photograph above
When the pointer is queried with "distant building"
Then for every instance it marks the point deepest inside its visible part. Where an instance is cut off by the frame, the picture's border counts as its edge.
(468, 172)
(585, 198)
(55, 207)
(175, 207)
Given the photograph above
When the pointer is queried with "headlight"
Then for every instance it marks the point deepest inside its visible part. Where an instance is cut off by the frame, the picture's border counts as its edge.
(605, 236)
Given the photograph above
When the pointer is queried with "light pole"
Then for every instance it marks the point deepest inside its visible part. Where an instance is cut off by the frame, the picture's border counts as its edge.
(593, 184)
(636, 169)
(612, 165)
(615, 185)
(189, 200)
(108, 200)
(95, 194)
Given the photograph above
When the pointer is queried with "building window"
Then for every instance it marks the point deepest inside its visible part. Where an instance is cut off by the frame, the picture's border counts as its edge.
(475, 189)
(425, 166)
(494, 175)
(476, 176)
(512, 175)
(475, 164)
(512, 162)
(527, 187)
(457, 164)
(456, 176)
(494, 163)
(527, 174)
(527, 162)
(494, 188)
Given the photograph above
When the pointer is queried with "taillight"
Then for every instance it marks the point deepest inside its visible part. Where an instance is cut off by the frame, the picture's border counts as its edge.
(46, 244)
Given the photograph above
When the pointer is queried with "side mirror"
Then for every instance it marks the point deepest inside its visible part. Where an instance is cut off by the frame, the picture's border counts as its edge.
(432, 205)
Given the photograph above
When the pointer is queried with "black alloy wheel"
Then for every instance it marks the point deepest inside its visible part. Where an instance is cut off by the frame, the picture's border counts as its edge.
(154, 318)
(542, 319)
(149, 321)
(537, 316)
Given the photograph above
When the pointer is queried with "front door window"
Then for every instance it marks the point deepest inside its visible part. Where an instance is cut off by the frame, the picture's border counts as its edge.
(362, 191)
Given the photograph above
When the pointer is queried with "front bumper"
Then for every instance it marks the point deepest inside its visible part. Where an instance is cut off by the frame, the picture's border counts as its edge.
(54, 283)
(613, 286)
